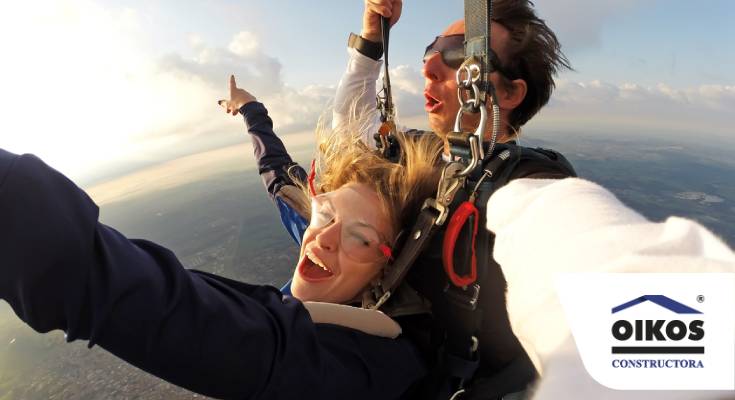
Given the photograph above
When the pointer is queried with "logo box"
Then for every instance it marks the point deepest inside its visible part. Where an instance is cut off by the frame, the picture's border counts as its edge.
(653, 331)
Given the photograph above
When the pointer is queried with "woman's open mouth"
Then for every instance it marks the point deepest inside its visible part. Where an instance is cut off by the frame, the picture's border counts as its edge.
(432, 103)
(312, 269)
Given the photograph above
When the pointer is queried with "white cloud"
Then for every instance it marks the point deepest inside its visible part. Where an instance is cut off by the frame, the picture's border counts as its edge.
(291, 108)
(82, 89)
(699, 111)
(407, 79)
(244, 44)
(408, 91)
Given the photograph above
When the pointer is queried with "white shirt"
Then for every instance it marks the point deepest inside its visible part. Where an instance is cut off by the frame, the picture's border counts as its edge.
(355, 97)
(573, 225)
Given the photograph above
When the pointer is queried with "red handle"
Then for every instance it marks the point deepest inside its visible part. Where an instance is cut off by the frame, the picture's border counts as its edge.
(458, 220)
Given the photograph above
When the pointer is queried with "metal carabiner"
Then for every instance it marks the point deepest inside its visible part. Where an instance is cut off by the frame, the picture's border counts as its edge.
(449, 183)
(475, 140)
(467, 77)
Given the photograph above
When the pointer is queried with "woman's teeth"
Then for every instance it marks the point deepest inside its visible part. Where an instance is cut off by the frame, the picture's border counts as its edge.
(314, 259)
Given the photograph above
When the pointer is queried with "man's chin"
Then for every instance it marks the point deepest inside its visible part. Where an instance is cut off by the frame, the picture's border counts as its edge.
(440, 125)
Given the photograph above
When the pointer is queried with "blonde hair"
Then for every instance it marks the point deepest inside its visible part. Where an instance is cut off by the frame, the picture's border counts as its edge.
(343, 158)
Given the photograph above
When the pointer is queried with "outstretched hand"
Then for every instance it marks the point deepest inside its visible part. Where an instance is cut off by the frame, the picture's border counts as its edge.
(238, 98)
(374, 9)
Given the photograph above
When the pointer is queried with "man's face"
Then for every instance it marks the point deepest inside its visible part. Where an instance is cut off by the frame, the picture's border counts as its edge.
(440, 87)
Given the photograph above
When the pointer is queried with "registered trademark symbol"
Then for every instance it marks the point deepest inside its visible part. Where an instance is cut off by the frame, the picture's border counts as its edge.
(700, 299)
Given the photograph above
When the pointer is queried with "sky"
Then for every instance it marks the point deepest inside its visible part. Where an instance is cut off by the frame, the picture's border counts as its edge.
(97, 88)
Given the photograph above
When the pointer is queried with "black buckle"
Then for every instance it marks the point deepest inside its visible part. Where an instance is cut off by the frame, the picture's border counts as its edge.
(459, 144)
(465, 297)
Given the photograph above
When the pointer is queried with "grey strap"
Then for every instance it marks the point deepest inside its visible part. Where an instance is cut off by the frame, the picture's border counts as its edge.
(477, 16)
(418, 237)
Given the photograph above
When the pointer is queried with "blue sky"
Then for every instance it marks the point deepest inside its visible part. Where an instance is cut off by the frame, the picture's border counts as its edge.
(102, 84)
(676, 42)
(680, 43)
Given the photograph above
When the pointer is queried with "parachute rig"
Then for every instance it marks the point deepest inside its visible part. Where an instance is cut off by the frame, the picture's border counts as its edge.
(476, 168)
(475, 91)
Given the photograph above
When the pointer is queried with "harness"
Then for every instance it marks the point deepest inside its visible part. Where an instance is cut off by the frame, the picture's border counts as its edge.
(450, 231)
(447, 231)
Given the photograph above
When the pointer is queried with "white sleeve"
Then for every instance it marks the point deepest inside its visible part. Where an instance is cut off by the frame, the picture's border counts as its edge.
(570, 225)
(355, 97)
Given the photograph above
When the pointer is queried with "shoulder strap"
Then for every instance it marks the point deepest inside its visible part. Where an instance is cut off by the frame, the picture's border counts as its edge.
(417, 239)
(528, 162)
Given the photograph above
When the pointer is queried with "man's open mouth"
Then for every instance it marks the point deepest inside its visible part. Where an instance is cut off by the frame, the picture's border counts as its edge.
(432, 103)
(313, 269)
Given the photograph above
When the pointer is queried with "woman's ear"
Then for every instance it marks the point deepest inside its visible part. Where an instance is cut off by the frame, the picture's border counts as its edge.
(512, 93)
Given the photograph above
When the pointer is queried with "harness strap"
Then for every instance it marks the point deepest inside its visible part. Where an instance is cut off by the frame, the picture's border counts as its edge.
(387, 111)
(461, 367)
(460, 355)
(459, 303)
(385, 98)
(477, 17)
(417, 239)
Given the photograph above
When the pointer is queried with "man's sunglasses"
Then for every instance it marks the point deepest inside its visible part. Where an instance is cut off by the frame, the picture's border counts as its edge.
(451, 50)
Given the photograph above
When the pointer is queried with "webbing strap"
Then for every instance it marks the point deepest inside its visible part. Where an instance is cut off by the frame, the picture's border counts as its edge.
(473, 80)
(387, 111)
(385, 134)
(477, 16)
(416, 241)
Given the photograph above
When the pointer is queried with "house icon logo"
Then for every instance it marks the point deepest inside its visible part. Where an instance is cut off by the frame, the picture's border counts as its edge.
(663, 301)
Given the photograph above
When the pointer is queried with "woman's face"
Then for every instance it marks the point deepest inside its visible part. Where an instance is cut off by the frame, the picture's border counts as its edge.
(340, 252)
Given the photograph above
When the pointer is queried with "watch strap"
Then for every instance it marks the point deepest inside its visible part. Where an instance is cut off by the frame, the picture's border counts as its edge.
(365, 47)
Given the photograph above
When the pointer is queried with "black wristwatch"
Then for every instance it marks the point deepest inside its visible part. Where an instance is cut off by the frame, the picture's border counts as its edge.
(365, 47)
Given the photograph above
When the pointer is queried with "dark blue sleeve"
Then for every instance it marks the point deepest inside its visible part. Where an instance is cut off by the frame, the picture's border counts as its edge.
(274, 165)
(62, 269)
(273, 160)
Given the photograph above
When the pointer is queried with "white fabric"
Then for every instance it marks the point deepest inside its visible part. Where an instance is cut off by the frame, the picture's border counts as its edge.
(572, 225)
(356, 93)
(372, 322)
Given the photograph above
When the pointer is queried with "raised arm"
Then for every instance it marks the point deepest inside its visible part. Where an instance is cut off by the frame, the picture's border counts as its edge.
(275, 165)
(62, 269)
(274, 162)
(355, 95)
(356, 90)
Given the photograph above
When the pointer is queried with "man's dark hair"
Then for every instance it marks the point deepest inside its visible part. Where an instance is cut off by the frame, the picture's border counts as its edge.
(533, 54)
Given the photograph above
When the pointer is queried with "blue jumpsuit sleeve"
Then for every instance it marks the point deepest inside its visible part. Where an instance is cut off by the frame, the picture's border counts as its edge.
(62, 269)
(294, 222)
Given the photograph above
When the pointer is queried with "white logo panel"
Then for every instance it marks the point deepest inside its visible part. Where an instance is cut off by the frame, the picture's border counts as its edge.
(653, 331)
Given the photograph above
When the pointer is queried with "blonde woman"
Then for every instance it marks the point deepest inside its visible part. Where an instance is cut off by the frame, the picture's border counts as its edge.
(63, 269)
